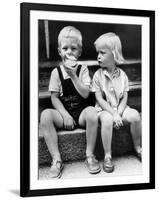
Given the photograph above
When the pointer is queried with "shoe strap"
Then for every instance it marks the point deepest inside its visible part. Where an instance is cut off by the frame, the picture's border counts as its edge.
(91, 157)
(58, 163)
(108, 159)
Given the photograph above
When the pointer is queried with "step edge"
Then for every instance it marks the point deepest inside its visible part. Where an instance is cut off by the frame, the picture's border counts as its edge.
(132, 86)
(67, 132)
(52, 64)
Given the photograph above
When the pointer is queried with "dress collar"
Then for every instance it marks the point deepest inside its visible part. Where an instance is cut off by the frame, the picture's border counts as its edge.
(115, 74)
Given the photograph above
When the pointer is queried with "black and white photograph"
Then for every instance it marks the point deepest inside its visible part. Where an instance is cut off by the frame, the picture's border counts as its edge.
(72, 143)
(87, 93)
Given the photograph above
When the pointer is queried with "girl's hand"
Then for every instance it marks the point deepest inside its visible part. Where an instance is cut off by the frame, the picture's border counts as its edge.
(69, 122)
(117, 120)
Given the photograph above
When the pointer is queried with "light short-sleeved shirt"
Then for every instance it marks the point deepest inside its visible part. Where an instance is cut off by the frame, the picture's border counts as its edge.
(55, 82)
(112, 87)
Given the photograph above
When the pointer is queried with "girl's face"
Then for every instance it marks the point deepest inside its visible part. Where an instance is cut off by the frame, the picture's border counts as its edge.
(105, 56)
(69, 47)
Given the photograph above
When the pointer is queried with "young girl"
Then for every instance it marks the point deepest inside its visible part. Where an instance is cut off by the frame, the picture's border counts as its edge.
(69, 87)
(110, 85)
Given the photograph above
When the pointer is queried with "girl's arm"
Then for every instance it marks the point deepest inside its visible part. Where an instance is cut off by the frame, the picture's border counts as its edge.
(104, 105)
(123, 104)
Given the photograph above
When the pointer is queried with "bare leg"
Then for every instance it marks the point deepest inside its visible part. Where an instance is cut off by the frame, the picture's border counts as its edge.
(89, 119)
(50, 120)
(106, 120)
(133, 117)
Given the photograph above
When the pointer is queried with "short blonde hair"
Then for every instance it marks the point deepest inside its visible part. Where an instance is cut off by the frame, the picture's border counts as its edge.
(70, 32)
(112, 41)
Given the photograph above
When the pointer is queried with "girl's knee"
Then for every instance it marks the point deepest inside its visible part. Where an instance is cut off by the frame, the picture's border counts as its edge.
(135, 116)
(106, 120)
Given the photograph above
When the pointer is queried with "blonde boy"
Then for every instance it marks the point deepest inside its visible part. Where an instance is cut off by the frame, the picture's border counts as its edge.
(69, 87)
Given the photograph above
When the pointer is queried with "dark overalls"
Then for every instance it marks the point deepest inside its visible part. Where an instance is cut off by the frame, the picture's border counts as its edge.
(73, 102)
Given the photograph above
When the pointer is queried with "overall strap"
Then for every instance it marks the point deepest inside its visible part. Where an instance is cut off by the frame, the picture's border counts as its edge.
(78, 70)
(60, 75)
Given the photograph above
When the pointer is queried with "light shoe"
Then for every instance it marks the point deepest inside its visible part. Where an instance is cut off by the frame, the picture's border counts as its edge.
(139, 155)
(92, 165)
(108, 165)
(56, 169)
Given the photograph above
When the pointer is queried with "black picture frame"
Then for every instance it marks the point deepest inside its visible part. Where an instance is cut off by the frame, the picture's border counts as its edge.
(25, 9)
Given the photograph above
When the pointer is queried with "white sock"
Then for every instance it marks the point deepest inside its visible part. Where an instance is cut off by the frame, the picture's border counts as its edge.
(138, 149)
(108, 155)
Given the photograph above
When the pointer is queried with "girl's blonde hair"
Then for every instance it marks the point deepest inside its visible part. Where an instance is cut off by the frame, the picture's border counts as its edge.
(112, 41)
(70, 32)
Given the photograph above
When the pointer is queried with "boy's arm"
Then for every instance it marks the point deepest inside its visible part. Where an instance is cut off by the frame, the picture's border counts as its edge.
(58, 104)
(54, 88)
(123, 103)
(82, 89)
(104, 105)
(68, 121)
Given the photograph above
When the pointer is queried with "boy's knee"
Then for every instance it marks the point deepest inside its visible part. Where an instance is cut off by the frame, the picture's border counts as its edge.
(46, 117)
(91, 114)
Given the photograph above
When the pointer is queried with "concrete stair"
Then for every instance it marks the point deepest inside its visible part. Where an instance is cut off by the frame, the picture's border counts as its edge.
(127, 165)
(72, 144)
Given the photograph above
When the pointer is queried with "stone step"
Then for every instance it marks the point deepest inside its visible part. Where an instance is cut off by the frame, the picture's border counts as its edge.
(52, 64)
(134, 99)
(72, 145)
(133, 85)
(127, 165)
(131, 67)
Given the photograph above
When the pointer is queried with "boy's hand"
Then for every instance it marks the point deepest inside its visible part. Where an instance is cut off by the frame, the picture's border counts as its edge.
(69, 122)
(70, 63)
(117, 120)
(71, 71)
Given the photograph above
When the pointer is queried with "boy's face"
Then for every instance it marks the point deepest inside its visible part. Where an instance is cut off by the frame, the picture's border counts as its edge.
(105, 56)
(69, 47)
